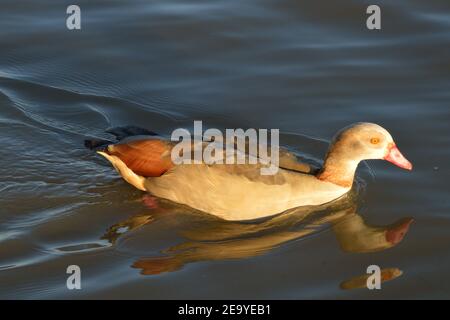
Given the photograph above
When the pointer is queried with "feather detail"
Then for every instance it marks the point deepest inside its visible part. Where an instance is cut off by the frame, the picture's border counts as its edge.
(147, 158)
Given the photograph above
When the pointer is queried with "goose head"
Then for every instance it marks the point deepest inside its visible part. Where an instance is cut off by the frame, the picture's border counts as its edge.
(355, 143)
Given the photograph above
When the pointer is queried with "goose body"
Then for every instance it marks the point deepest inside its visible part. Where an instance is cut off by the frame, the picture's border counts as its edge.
(239, 191)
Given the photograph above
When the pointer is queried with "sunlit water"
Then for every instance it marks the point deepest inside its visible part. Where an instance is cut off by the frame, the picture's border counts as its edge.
(307, 68)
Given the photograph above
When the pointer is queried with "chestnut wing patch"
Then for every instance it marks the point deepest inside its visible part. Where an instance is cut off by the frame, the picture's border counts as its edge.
(147, 158)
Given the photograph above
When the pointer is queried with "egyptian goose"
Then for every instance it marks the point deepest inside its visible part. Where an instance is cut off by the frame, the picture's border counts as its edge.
(239, 191)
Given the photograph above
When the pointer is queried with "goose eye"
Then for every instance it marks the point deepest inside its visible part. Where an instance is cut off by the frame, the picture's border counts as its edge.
(375, 140)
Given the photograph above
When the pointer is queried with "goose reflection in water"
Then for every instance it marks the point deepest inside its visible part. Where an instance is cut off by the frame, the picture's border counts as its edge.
(223, 240)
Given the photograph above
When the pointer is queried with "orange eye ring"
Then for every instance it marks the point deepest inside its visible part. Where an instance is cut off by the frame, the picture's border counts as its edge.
(375, 140)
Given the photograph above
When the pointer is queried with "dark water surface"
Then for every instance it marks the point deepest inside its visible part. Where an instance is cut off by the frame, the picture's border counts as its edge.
(306, 67)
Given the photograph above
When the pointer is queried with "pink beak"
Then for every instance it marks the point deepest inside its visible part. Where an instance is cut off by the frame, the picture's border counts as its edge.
(395, 156)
